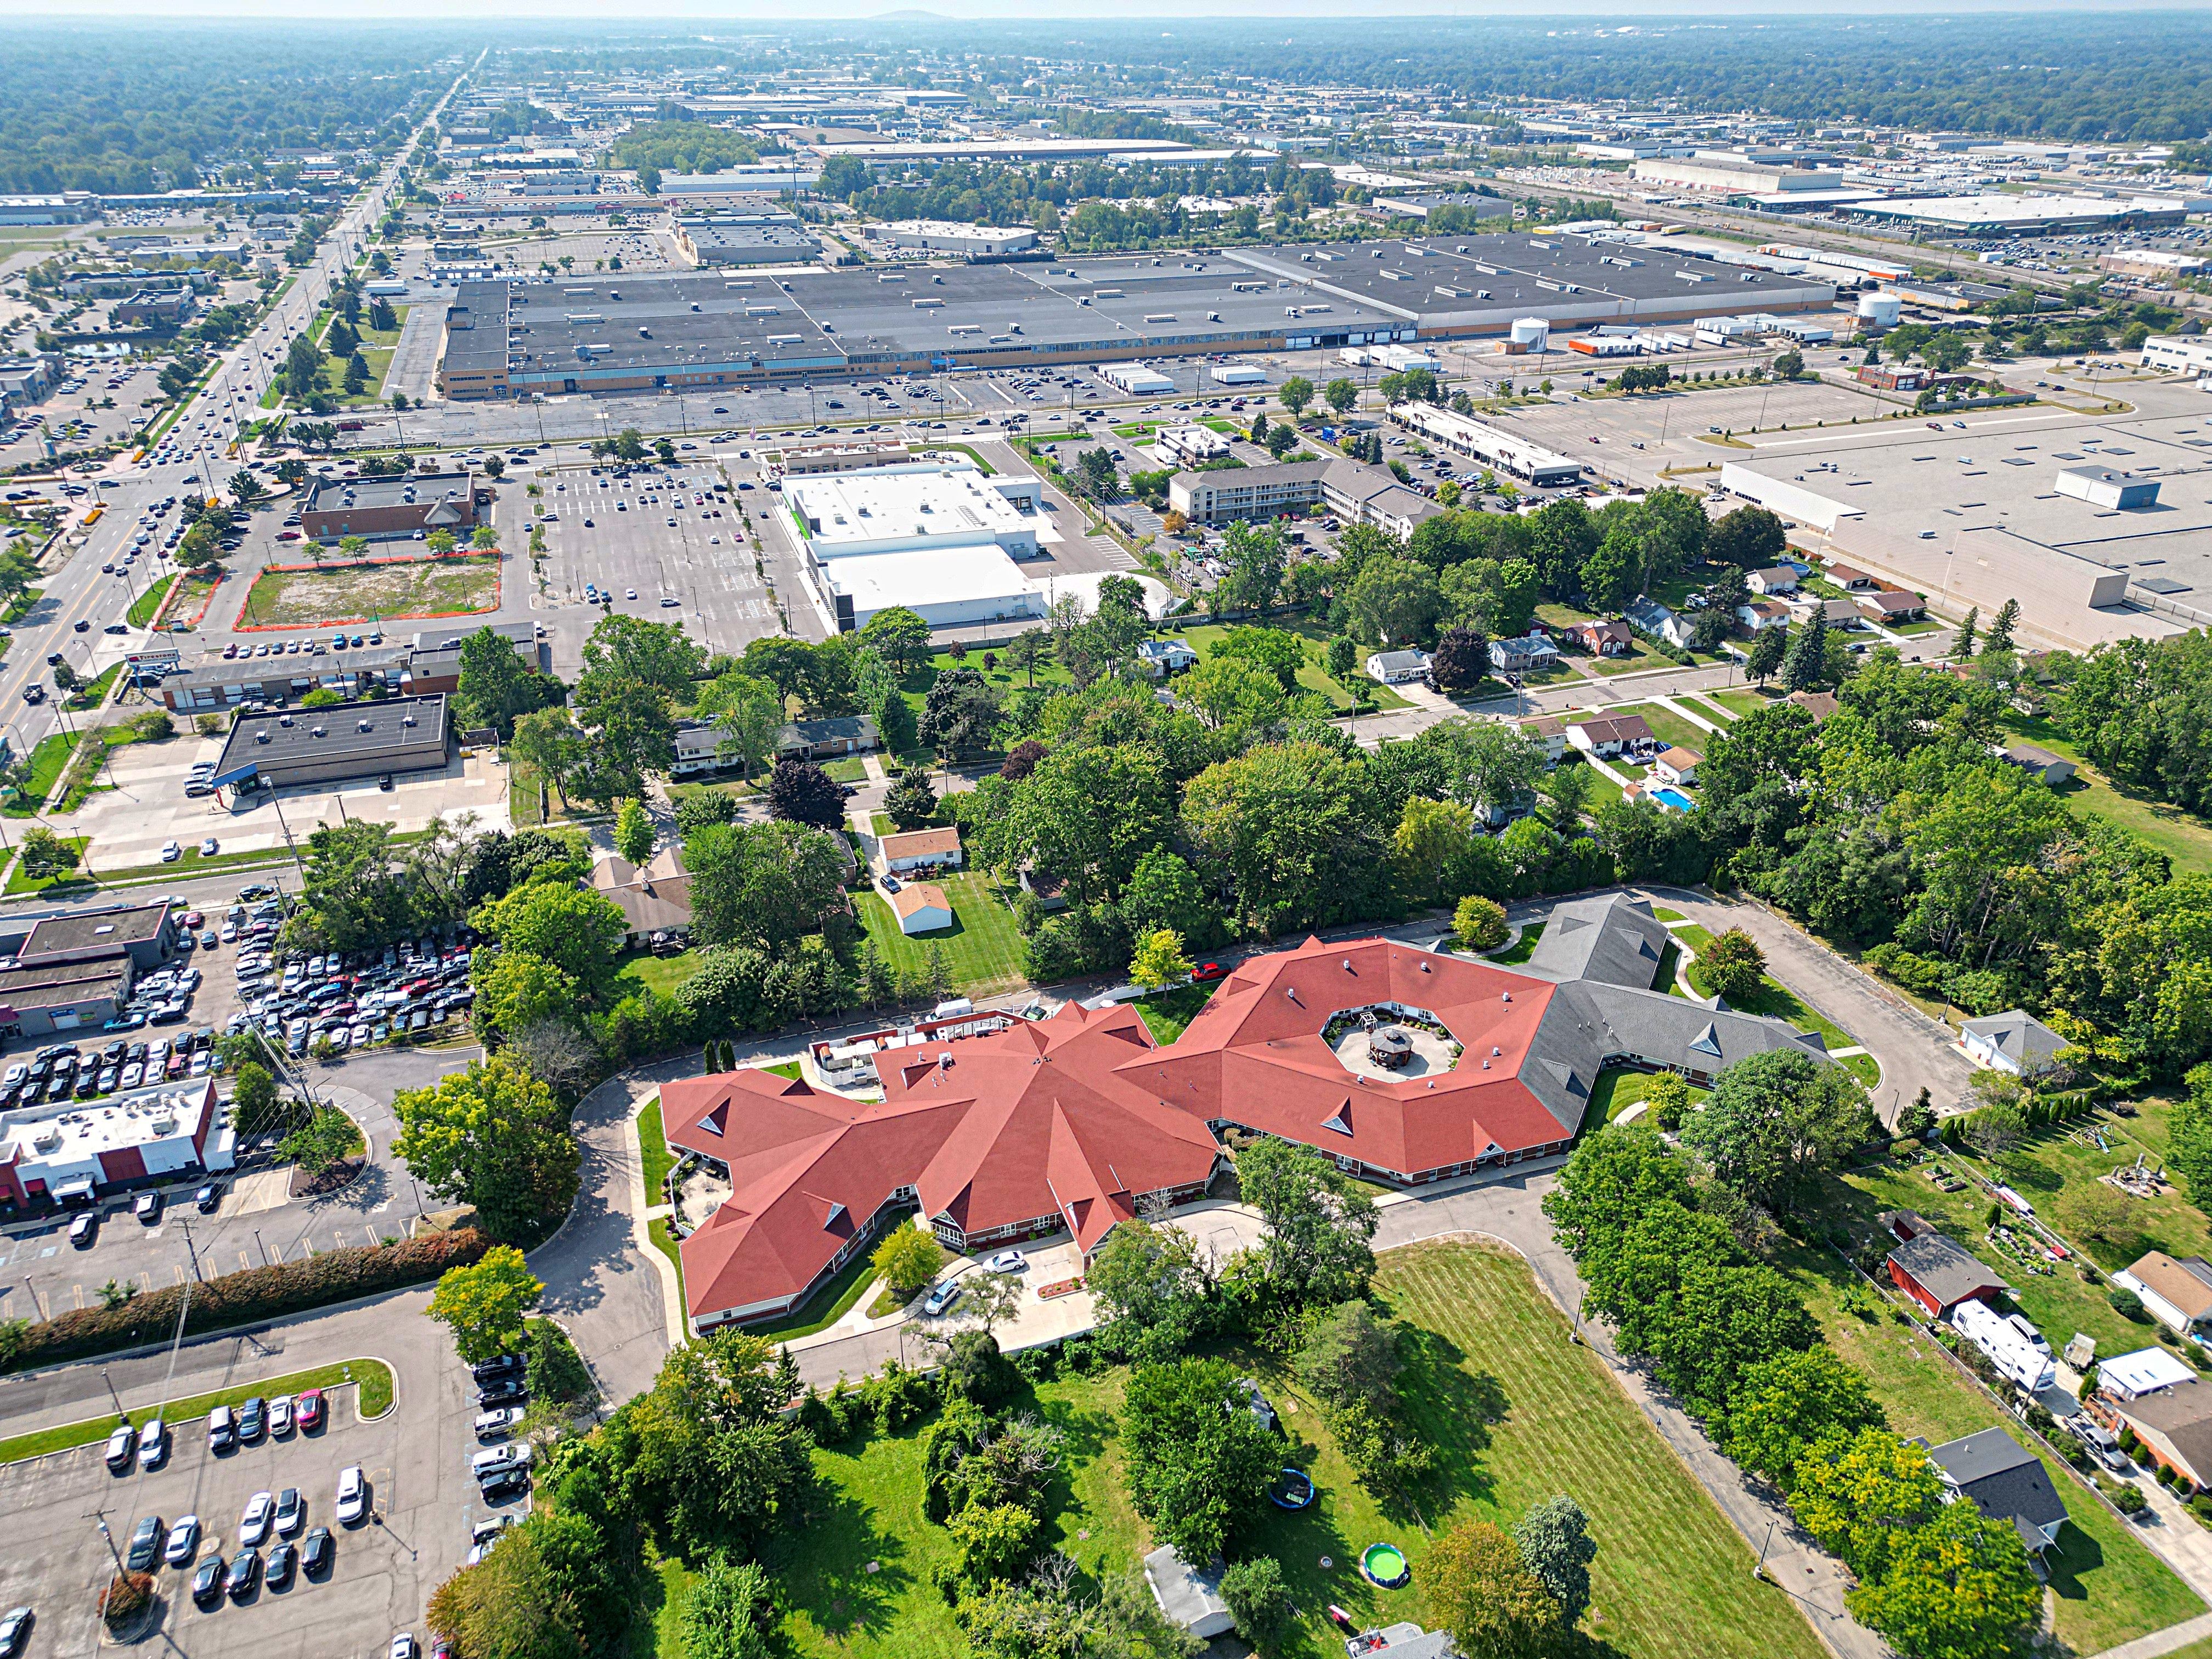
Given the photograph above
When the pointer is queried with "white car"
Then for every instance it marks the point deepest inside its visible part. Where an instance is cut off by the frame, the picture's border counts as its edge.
(353, 1495)
(280, 1415)
(183, 1541)
(1008, 1261)
(253, 1525)
(943, 1296)
(403, 1646)
(171, 852)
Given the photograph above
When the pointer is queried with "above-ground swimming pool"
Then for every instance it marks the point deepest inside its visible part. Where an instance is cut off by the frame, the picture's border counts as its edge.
(1385, 1565)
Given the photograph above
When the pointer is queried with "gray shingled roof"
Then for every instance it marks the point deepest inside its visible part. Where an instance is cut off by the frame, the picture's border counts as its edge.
(1945, 1268)
(2006, 1481)
(1612, 938)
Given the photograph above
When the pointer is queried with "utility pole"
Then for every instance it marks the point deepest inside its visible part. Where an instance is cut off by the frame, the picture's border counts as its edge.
(192, 1253)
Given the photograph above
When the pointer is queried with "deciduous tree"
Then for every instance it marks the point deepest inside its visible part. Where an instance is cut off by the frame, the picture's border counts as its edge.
(494, 1137)
(484, 1303)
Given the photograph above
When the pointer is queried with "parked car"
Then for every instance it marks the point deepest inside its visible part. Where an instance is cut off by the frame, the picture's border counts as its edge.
(317, 1552)
(309, 1409)
(15, 1630)
(291, 1511)
(152, 1443)
(183, 1541)
(943, 1296)
(121, 1446)
(222, 1430)
(282, 1559)
(145, 1544)
(206, 1580)
(505, 1390)
(254, 1524)
(353, 1495)
(245, 1573)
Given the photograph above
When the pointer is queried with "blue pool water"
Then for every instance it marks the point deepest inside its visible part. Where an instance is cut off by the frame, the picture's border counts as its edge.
(1675, 798)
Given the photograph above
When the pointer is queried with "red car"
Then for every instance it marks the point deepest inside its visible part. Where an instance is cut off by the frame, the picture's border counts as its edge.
(309, 1407)
(1208, 972)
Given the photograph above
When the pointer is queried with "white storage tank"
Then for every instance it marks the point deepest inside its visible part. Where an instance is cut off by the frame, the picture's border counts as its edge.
(1531, 334)
(1880, 309)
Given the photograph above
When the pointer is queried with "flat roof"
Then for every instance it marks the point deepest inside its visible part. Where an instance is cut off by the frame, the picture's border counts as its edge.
(402, 727)
(73, 1132)
(89, 930)
(396, 489)
(962, 573)
(874, 504)
(59, 985)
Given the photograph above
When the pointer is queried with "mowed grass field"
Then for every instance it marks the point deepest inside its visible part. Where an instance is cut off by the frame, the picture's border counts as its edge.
(1516, 1411)
(983, 948)
(361, 592)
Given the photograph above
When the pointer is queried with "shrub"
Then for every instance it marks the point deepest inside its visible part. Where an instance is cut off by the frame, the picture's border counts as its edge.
(2127, 1500)
(2163, 1475)
(2126, 1304)
(241, 1298)
(127, 1595)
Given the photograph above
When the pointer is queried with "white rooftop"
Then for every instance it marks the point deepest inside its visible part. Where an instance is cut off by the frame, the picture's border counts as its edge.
(71, 1132)
(2143, 1371)
(969, 575)
(880, 508)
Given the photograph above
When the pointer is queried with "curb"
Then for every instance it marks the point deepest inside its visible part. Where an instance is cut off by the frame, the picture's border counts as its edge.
(353, 1382)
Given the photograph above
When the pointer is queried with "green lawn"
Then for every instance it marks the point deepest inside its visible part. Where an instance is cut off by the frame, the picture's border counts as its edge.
(2107, 1586)
(1168, 1013)
(143, 607)
(1775, 998)
(374, 1377)
(641, 970)
(1739, 700)
(982, 950)
(664, 1240)
(19, 883)
(847, 768)
(1516, 1411)
(1668, 726)
(826, 1306)
(46, 762)
(94, 692)
(1522, 949)
(653, 1156)
(2182, 837)
(1314, 676)
(1616, 1090)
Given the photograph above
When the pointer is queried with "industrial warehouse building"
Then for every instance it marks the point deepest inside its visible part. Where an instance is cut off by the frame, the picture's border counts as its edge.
(617, 333)
(744, 239)
(944, 236)
(72, 971)
(429, 663)
(336, 742)
(394, 508)
(1076, 1123)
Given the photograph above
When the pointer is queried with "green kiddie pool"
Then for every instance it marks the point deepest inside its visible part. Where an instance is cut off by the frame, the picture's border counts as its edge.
(1385, 1565)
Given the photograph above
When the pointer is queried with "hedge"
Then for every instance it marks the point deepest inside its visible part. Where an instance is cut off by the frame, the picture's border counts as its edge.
(240, 1299)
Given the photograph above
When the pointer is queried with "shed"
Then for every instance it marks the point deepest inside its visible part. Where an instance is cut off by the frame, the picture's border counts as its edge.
(1934, 1270)
(2050, 769)
(921, 908)
(1189, 1596)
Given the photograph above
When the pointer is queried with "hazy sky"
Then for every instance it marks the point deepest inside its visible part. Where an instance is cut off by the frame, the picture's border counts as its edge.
(704, 12)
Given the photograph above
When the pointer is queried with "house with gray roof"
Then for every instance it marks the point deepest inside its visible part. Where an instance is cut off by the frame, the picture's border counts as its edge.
(2015, 1041)
(2004, 1480)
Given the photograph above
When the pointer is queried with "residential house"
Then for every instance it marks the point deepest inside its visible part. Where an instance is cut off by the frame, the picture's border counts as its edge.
(2177, 1293)
(2015, 1041)
(1550, 731)
(1932, 1269)
(1756, 614)
(1164, 656)
(1851, 580)
(2172, 1419)
(921, 907)
(1818, 704)
(2005, 1481)
(699, 745)
(922, 849)
(1396, 667)
(1775, 579)
(1891, 605)
(1833, 613)
(1607, 735)
(1657, 620)
(1678, 766)
(1608, 638)
(2052, 769)
(847, 734)
(654, 897)
(1523, 654)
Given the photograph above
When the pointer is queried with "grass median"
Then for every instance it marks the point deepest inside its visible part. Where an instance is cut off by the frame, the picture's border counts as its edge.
(373, 1377)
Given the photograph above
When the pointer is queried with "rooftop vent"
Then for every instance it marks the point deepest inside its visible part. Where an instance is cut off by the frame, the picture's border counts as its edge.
(365, 726)
(317, 732)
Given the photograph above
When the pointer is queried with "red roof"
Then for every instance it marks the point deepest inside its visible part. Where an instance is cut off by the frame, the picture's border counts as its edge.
(1254, 1056)
(1024, 1123)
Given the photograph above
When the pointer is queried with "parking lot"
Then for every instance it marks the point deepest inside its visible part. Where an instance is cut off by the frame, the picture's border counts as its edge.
(416, 1458)
(77, 416)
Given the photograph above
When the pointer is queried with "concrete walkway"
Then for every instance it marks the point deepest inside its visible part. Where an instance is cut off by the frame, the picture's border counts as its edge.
(2159, 1643)
(1686, 711)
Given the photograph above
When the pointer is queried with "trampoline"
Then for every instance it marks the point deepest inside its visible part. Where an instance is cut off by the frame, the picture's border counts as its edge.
(1385, 1566)
(1294, 1490)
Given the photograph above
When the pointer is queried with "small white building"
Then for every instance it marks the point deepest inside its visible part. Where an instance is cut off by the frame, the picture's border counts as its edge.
(1678, 766)
(1396, 667)
(2015, 1041)
(1189, 1596)
(1137, 379)
(1189, 446)
(1236, 374)
(1162, 657)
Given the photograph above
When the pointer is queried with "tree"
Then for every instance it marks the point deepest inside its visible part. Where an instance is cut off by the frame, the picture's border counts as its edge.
(1258, 1598)
(548, 742)
(1429, 847)
(45, 853)
(1785, 1405)
(1276, 650)
(1340, 395)
(730, 1613)
(1777, 1120)
(66, 678)
(1478, 923)
(252, 1095)
(516, 990)
(960, 714)
(910, 802)
(246, 488)
(1233, 697)
(439, 542)
(2098, 1212)
(1962, 642)
(579, 930)
(1805, 661)
(2001, 631)
(494, 1137)
(1556, 1549)
(1197, 1471)
(747, 713)
(1351, 1357)
(711, 1461)
(1297, 392)
(1461, 659)
(764, 885)
(1960, 1587)
(483, 1305)
(1481, 1590)
(1159, 961)
(1393, 601)
(496, 689)
(1288, 823)
(633, 832)
(907, 1260)
(901, 635)
(1319, 1221)
(802, 793)
(354, 896)
(1732, 966)
(1668, 1099)
(1768, 649)
(1750, 538)
(1151, 1278)
(2189, 1134)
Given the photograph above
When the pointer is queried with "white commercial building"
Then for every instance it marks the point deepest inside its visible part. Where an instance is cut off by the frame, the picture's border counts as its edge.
(945, 236)
(1237, 374)
(1501, 452)
(2190, 355)
(1189, 446)
(1137, 379)
(1396, 358)
(938, 537)
(67, 1151)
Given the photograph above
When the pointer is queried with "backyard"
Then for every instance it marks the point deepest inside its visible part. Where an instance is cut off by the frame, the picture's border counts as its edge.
(2182, 836)
(1517, 1412)
(981, 951)
(300, 597)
